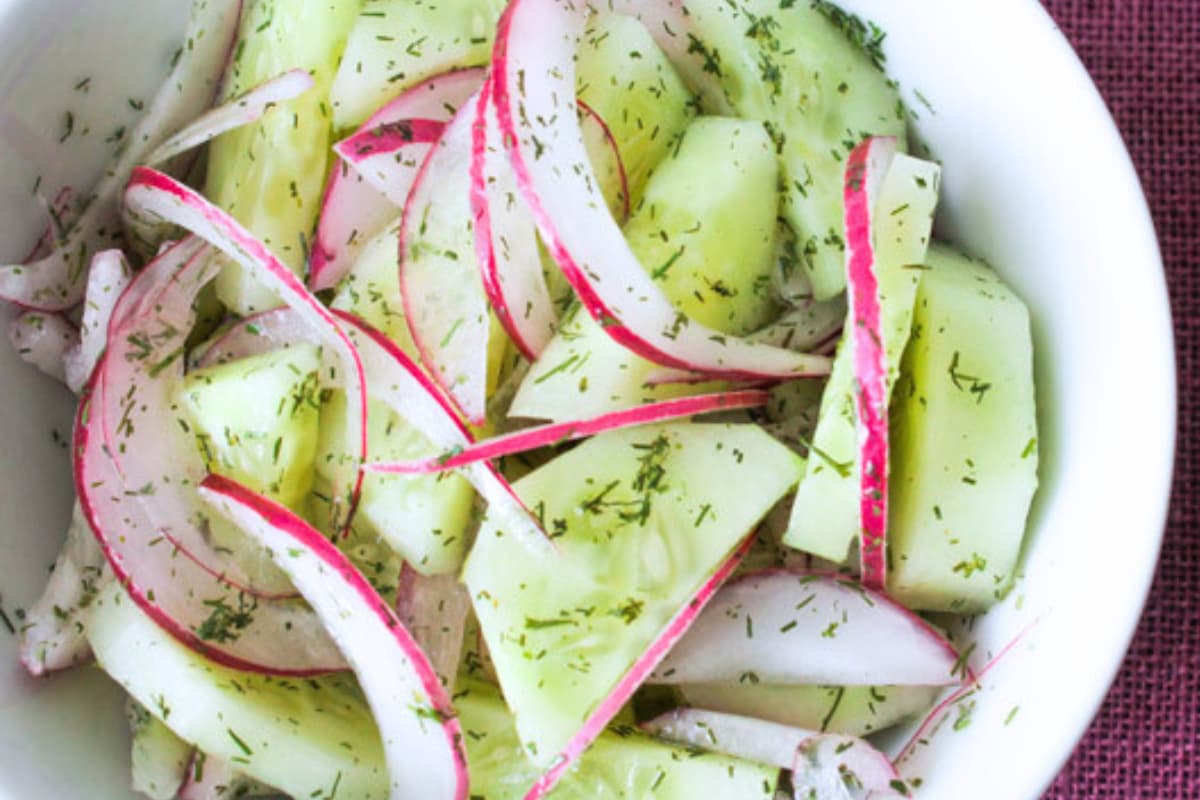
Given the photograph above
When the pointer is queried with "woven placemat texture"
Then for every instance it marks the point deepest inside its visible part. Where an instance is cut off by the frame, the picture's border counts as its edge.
(1145, 57)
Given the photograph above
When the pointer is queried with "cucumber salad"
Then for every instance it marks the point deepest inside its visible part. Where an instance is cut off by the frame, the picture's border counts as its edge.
(529, 399)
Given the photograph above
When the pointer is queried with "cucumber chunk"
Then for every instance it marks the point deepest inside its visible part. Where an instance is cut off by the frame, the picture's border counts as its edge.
(794, 67)
(309, 738)
(396, 44)
(629, 82)
(159, 758)
(269, 175)
(255, 420)
(965, 453)
(825, 516)
(641, 518)
(706, 228)
(849, 710)
(423, 518)
(622, 763)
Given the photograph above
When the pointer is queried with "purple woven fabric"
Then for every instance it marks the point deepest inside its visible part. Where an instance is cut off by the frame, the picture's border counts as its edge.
(1145, 57)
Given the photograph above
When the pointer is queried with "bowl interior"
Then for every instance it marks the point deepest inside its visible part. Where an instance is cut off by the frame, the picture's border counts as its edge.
(1036, 180)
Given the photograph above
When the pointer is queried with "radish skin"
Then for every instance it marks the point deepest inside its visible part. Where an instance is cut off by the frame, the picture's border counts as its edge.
(546, 435)
(865, 171)
(424, 760)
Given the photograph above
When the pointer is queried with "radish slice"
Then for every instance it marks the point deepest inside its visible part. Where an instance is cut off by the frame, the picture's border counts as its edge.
(201, 610)
(533, 85)
(52, 637)
(444, 301)
(242, 110)
(57, 280)
(506, 242)
(434, 608)
(397, 381)
(833, 767)
(108, 277)
(44, 340)
(422, 739)
(264, 332)
(743, 737)
(389, 155)
(546, 435)
(354, 211)
(637, 674)
(865, 170)
(153, 195)
(801, 628)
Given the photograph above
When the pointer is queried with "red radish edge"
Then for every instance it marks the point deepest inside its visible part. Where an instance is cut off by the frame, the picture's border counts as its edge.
(622, 175)
(387, 138)
(342, 597)
(163, 196)
(548, 31)
(447, 430)
(865, 170)
(637, 674)
(545, 435)
(56, 281)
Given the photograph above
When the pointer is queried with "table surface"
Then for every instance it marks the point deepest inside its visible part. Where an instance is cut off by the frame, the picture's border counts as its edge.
(1145, 57)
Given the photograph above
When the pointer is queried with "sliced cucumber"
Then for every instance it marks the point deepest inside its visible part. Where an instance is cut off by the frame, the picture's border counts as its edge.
(825, 517)
(269, 175)
(159, 758)
(622, 763)
(629, 82)
(849, 710)
(583, 372)
(965, 452)
(705, 228)
(310, 738)
(801, 69)
(641, 518)
(396, 44)
(423, 518)
(255, 420)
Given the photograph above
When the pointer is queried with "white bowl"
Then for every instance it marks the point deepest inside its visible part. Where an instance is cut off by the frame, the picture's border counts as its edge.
(1036, 180)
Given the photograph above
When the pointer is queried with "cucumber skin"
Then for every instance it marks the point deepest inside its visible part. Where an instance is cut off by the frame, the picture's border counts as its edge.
(270, 174)
(965, 454)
